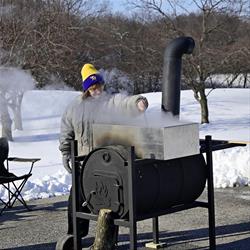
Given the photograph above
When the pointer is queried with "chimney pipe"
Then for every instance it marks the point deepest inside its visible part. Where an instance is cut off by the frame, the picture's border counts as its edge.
(172, 73)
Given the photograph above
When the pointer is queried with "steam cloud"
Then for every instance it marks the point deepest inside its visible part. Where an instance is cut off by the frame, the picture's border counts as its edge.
(14, 79)
(100, 112)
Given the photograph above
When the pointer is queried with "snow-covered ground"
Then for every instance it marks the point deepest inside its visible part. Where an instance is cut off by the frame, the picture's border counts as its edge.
(42, 110)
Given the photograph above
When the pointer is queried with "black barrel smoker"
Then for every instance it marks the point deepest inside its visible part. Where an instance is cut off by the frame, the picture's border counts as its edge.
(158, 184)
(159, 181)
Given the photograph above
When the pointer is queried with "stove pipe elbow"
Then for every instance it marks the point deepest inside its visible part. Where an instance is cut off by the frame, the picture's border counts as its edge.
(172, 73)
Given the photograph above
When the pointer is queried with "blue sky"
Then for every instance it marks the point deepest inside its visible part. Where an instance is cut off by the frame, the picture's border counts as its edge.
(121, 5)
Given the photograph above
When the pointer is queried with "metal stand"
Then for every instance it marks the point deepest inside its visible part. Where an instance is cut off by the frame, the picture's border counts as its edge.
(155, 244)
(132, 200)
(75, 195)
(210, 192)
(207, 147)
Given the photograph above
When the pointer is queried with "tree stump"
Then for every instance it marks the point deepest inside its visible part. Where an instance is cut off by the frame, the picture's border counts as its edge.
(106, 231)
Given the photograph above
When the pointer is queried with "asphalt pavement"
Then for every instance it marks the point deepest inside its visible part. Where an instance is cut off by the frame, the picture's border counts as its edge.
(40, 228)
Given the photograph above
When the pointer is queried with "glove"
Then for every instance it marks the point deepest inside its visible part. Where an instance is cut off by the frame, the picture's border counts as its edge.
(66, 163)
(142, 104)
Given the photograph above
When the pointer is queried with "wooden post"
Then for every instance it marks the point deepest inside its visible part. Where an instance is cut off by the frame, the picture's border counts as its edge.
(106, 231)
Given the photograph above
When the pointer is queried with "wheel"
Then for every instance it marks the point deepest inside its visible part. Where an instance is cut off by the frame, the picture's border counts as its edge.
(65, 243)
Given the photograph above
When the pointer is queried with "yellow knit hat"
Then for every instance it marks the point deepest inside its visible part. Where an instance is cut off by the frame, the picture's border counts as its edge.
(90, 76)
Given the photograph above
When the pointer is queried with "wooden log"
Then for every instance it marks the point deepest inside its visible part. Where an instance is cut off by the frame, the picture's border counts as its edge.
(106, 231)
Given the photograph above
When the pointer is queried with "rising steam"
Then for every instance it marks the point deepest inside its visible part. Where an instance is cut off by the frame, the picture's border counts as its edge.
(102, 111)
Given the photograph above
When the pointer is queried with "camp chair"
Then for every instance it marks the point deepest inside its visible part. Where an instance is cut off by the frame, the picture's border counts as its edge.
(12, 183)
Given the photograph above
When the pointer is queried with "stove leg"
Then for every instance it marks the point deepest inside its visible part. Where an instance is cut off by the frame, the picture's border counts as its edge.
(210, 193)
(75, 197)
(132, 200)
(155, 244)
(155, 230)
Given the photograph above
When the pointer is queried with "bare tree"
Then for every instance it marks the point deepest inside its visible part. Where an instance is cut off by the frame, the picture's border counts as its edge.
(13, 84)
(132, 46)
(46, 36)
(57, 37)
(214, 27)
(5, 120)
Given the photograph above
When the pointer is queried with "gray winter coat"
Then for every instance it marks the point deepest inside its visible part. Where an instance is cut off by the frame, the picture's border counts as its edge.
(77, 120)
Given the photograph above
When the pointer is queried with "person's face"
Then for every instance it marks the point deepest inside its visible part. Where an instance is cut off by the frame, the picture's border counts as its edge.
(95, 90)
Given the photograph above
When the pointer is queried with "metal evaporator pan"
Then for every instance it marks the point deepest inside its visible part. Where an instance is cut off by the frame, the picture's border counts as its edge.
(162, 143)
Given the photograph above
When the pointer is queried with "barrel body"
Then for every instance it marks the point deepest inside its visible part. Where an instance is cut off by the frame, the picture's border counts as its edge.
(159, 184)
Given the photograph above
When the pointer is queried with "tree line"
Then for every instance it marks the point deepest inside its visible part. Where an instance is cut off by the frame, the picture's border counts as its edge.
(54, 38)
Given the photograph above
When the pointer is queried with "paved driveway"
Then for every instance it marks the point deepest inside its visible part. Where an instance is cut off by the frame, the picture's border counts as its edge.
(41, 227)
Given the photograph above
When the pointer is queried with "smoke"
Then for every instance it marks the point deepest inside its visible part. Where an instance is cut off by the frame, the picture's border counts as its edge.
(15, 80)
(13, 83)
(55, 83)
(119, 110)
(117, 81)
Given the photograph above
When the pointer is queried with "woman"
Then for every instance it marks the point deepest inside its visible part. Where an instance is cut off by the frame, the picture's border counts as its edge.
(86, 109)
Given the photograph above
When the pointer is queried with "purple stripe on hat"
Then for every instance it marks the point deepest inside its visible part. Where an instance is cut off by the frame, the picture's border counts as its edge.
(91, 80)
